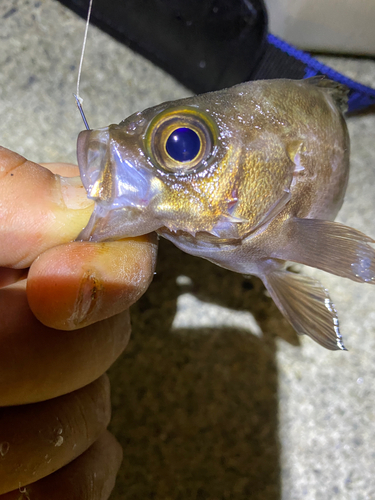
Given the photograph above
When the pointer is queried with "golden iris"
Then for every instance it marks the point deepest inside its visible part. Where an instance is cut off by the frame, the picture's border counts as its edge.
(181, 140)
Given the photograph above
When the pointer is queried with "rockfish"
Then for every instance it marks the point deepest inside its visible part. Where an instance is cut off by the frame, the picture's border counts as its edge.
(250, 178)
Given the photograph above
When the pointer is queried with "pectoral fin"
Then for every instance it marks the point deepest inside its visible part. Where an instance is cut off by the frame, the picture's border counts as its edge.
(307, 306)
(329, 246)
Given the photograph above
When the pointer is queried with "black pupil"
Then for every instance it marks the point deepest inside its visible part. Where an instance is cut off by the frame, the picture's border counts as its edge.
(183, 144)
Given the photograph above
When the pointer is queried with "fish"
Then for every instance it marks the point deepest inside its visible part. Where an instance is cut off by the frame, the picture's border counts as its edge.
(250, 178)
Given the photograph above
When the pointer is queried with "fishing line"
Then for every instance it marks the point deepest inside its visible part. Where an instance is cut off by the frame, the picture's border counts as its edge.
(78, 98)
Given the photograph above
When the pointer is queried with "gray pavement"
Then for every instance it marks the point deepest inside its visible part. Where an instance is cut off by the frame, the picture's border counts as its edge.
(216, 397)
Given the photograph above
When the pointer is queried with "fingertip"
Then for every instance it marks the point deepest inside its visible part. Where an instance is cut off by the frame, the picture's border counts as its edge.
(80, 283)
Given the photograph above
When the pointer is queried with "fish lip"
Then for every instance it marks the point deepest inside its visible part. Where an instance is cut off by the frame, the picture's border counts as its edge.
(82, 139)
(92, 154)
(97, 229)
(82, 147)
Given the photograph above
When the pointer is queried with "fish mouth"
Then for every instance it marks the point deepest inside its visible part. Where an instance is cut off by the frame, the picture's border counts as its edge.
(121, 187)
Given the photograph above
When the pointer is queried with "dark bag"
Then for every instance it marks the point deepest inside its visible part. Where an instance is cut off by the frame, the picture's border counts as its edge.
(210, 44)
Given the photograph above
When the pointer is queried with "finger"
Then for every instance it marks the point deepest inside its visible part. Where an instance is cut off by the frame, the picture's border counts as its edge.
(77, 284)
(9, 276)
(91, 476)
(39, 363)
(63, 169)
(38, 209)
(40, 438)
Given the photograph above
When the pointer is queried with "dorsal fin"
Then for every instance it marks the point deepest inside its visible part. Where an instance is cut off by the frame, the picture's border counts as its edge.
(338, 91)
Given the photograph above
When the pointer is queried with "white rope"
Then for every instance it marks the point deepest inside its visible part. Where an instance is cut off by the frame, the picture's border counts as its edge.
(83, 52)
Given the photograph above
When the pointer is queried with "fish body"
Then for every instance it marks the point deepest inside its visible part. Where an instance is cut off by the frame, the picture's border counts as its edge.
(249, 178)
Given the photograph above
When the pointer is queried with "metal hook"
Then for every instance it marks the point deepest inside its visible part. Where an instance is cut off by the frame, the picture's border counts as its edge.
(79, 105)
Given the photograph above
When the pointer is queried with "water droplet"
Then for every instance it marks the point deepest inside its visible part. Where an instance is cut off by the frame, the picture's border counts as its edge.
(59, 441)
(4, 448)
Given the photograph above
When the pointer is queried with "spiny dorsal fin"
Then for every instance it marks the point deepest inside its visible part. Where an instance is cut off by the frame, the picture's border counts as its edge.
(338, 91)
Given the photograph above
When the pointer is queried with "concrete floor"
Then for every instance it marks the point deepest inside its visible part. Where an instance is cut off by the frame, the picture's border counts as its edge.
(216, 397)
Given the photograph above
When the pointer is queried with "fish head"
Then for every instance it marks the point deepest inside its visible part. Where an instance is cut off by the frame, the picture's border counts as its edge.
(206, 165)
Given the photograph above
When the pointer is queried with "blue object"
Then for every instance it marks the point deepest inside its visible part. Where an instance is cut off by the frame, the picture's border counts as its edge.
(183, 144)
(360, 96)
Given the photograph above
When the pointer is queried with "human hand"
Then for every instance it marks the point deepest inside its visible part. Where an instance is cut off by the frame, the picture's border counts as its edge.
(54, 397)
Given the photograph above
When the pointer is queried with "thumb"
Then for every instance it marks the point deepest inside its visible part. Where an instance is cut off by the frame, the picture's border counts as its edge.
(38, 209)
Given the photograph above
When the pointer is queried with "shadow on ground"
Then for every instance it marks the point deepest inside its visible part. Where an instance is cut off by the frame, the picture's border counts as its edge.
(196, 409)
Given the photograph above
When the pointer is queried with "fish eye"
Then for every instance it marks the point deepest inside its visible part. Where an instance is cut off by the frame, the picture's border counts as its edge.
(183, 144)
(181, 140)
